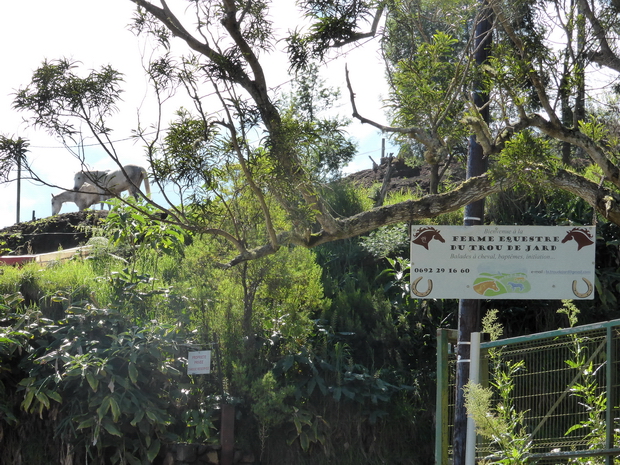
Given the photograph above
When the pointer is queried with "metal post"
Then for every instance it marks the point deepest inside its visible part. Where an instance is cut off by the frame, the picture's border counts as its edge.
(474, 377)
(610, 376)
(469, 322)
(441, 407)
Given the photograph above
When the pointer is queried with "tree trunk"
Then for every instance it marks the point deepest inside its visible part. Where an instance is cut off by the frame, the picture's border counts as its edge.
(434, 181)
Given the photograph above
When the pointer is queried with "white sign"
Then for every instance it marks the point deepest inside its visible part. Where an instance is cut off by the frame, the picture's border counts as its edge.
(502, 262)
(199, 363)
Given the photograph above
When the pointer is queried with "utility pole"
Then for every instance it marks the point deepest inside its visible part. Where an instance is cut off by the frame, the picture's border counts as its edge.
(469, 309)
(19, 186)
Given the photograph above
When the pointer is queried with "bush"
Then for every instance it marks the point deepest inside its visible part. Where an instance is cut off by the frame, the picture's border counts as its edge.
(112, 392)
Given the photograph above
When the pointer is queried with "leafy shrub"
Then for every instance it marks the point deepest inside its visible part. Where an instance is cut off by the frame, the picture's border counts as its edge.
(114, 390)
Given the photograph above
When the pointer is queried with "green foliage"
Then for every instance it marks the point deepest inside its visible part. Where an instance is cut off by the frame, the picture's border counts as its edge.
(423, 84)
(491, 325)
(12, 153)
(137, 230)
(270, 404)
(56, 94)
(117, 385)
(12, 341)
(52, 289)
(323, 373)
(309, 429)
(291, 377)
(607, 269)
(270, 400)
(398, 287)
(410, 23)
(523, 155)
(334, 22)
(536, 205)
(429, 62)
(592, 397)
(597, 131)
(499, 421)
(189, 154)
(320, 141)
(345, 198)
(386, 241)
(133, 294)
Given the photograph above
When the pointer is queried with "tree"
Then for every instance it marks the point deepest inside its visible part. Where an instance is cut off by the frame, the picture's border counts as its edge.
(13, 154)
(324, 148)
(224, 49)
(427, 55)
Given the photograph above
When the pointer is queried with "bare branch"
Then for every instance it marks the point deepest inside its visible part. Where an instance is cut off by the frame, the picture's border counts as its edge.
(605, 56)
(534, 77)
(416, 133)
(363, 35)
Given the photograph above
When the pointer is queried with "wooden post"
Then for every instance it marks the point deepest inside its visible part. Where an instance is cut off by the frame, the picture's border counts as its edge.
(227, 434)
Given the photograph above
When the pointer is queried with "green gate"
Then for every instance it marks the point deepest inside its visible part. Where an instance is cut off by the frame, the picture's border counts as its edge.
(555, 363)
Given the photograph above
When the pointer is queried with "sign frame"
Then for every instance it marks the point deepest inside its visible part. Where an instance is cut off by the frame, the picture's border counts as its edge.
(503, 262)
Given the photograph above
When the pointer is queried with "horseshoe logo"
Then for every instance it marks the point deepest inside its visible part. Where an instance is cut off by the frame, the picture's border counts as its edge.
(584, 294)
(414, 288)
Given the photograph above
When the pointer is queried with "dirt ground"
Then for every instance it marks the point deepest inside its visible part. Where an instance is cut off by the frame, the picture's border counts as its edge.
(404, 176)
(49, 234)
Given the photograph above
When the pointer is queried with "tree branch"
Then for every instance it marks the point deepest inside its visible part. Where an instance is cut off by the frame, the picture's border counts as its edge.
(605, 201)
(605, 56)
(534, 77)
(363, 35)
(427, 207)
(416, 133)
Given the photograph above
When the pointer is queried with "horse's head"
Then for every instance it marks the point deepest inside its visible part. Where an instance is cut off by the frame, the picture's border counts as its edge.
(78, 180)
(580, 235)
(56, 204)
(424, 235)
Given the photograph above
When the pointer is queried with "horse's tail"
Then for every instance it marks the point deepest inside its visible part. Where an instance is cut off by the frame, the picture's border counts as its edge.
(147, 185)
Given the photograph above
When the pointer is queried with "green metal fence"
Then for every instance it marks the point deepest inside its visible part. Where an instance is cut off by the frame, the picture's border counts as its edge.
(555, 364)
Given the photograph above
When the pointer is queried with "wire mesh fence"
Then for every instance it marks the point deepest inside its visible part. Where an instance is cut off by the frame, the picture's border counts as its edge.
(567, 390)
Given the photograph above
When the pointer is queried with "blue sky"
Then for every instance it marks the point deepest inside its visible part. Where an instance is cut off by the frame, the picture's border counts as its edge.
(41, 29)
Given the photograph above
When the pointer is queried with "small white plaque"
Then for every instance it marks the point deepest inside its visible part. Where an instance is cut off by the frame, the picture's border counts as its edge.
(199, 363)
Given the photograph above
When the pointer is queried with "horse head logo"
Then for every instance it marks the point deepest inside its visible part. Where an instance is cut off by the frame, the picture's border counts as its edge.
(582, 236)
(424, 235)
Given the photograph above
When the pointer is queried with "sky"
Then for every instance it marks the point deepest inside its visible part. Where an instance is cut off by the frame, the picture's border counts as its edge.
(95, 33)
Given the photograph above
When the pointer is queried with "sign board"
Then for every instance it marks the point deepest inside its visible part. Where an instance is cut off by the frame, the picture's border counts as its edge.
(199, 363)
(502, 262)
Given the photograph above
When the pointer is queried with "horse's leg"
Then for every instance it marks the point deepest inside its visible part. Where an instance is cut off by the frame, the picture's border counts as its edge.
(147, 185)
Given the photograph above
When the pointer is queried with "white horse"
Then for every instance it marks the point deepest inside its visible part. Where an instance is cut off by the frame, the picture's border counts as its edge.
(87, 195)
(113, 183)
